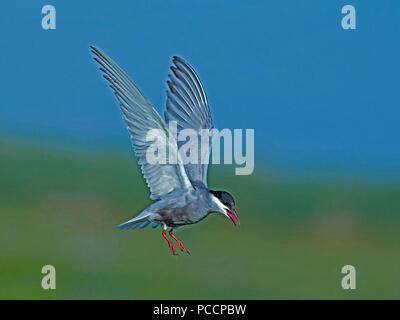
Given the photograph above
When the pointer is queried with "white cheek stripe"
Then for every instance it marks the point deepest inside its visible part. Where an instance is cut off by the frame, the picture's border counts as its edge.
(220, 205)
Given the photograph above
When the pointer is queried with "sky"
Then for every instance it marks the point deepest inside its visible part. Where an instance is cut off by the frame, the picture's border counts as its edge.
(319, 97)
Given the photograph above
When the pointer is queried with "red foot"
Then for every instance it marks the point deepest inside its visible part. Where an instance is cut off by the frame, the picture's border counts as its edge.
(178, 242)
(171, 246)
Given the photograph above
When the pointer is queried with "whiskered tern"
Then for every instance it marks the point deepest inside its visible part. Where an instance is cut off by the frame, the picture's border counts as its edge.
(180, 192)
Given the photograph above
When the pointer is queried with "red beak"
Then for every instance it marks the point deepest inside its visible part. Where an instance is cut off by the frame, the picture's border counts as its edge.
(233, 215)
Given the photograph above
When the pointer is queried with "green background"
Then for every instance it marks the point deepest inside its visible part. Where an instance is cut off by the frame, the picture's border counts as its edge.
(59, 207)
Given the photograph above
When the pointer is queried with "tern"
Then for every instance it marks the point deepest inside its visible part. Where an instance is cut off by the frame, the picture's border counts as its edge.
(180, 192)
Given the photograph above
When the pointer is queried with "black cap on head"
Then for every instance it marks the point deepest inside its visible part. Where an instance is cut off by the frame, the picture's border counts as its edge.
(225, 198)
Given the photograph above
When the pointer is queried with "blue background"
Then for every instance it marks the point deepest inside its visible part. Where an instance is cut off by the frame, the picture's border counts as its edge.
(325, 191)
(321, 99)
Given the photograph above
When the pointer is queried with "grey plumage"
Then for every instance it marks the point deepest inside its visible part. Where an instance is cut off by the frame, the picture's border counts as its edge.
(187, 105)
(140, 116)
(180, 191)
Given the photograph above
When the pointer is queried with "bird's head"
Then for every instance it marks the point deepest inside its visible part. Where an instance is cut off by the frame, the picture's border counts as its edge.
(225, 204)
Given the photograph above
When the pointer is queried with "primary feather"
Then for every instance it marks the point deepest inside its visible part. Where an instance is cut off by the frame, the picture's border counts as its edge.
(140, 117)
(187, 105)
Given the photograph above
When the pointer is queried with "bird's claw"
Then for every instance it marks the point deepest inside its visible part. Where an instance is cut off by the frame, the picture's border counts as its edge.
(179, 243)
(181, 246)
(173, 250)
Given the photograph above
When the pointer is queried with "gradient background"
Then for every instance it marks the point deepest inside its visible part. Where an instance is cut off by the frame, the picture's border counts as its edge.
(324, 104)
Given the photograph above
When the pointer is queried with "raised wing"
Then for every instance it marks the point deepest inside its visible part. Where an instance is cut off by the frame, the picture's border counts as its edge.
(140, 117)
(187, 105)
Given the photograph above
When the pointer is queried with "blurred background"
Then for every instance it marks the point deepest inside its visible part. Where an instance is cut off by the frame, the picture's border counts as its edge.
(323, 102)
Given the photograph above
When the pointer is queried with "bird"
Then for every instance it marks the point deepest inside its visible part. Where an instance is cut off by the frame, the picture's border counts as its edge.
(179, 191)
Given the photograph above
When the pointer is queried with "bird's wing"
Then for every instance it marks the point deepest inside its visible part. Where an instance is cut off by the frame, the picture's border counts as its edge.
(140, 117)
(187, 105)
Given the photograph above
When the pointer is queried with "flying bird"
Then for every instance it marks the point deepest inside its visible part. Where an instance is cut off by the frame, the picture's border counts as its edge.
(180, 192)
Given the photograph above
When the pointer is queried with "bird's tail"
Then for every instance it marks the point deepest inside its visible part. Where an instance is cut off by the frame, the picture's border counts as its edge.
(139, 222)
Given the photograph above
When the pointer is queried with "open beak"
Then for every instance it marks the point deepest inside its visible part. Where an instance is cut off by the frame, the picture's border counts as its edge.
(233, 216)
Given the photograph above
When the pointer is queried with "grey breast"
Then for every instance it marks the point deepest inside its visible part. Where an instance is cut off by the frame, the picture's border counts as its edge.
(187, 208)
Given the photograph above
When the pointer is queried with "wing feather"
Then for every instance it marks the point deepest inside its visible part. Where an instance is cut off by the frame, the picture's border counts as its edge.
(140, 117)
(187, 105)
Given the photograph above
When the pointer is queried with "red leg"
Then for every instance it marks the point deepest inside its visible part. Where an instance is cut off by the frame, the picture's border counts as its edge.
(171, 246)
(178, 242)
